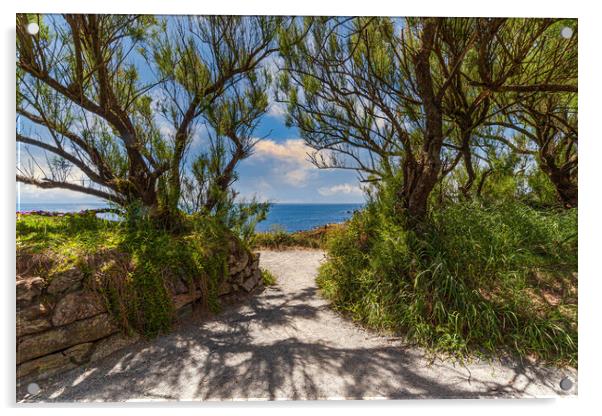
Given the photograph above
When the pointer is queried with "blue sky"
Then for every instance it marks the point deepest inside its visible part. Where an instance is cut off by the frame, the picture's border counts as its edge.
(278, 171)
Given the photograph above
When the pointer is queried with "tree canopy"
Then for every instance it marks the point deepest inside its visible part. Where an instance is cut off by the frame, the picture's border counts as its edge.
(116, 101)
(411, 98)
(113, 104)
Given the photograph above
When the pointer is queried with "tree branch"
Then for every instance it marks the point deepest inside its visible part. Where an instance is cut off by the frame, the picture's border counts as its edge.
(50, 184)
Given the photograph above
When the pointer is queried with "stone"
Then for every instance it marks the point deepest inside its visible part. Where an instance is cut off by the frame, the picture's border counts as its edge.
(248, 284)
(75, 306)
(239, 263)
(238, 279)
(68, 280)
(184, 312)
(56, 339)
(32, 319)
(252, 281)
(36, 310)
(79, 354)
(29, 288)
(224, 288)
(186, 298)
(31, 326)
(109, 345)
(44, 367)
(56, 363)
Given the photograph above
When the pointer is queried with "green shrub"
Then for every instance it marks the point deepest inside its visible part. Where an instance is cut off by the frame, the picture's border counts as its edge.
(137, 262)
(268, 278)
(277, 238)
(477, 280)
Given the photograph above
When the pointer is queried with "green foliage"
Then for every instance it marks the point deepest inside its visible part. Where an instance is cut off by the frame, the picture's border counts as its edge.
(474, 280)
(277, 238)
(138, 263)
(242, 218)
(207, 72)
(268, 278)
(542, 190)
(86, 232)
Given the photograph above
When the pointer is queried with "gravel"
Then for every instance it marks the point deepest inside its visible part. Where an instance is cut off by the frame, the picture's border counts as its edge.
(286, 343)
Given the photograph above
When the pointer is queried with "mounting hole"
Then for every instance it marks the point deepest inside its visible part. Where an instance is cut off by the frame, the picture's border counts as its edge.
(566, 384)
(566, 32)
(32, 28)
(33, 388)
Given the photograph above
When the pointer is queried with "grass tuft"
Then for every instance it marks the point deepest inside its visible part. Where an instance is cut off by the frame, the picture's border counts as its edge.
(268, 278)
(479, 280)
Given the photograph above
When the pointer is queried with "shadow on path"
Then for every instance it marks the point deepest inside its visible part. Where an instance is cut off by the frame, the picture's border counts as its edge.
(284, 343)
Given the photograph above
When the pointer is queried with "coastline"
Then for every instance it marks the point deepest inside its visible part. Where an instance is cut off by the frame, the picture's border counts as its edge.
(292, 218)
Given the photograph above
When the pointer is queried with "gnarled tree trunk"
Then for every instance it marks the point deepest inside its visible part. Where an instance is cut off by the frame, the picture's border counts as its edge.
(562, 177)
(421, 174)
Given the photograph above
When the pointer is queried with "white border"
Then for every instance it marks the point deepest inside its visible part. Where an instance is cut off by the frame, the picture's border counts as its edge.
(516, 8)
(590, 155)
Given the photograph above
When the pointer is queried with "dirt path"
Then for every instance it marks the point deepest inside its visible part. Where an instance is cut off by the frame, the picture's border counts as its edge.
(286, 343)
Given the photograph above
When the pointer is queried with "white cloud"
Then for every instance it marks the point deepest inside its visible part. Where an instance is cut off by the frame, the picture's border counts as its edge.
(260, 191)
(291, 150)
(344, 188)
(165, 127)
(40, 170)
(293, 165)
(297, 177)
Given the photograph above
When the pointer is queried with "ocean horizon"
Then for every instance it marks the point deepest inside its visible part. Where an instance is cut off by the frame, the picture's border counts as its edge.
(288, 216)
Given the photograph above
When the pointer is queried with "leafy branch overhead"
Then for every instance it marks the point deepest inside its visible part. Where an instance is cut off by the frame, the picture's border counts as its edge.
(159, 111)
(414, 97)
(122, 98)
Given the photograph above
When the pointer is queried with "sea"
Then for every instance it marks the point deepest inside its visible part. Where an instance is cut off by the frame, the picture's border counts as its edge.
(289, 217)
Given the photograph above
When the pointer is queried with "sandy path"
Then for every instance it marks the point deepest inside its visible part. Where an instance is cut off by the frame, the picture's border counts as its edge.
(286, 343)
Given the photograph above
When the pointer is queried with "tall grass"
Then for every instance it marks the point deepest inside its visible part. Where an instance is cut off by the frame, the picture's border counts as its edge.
(500, 278)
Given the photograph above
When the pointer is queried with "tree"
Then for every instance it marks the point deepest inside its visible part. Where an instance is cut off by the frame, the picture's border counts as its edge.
(407, 98)
(513, 61)
(121, 98)
(548, 124)
(540, 107)
(371, 99)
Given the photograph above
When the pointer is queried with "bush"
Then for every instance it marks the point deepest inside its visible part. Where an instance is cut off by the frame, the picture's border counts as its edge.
(477, 280)
(137, 261)
(279, 239)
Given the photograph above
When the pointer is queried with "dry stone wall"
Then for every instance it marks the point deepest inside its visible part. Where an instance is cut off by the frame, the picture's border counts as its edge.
(62, 323)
